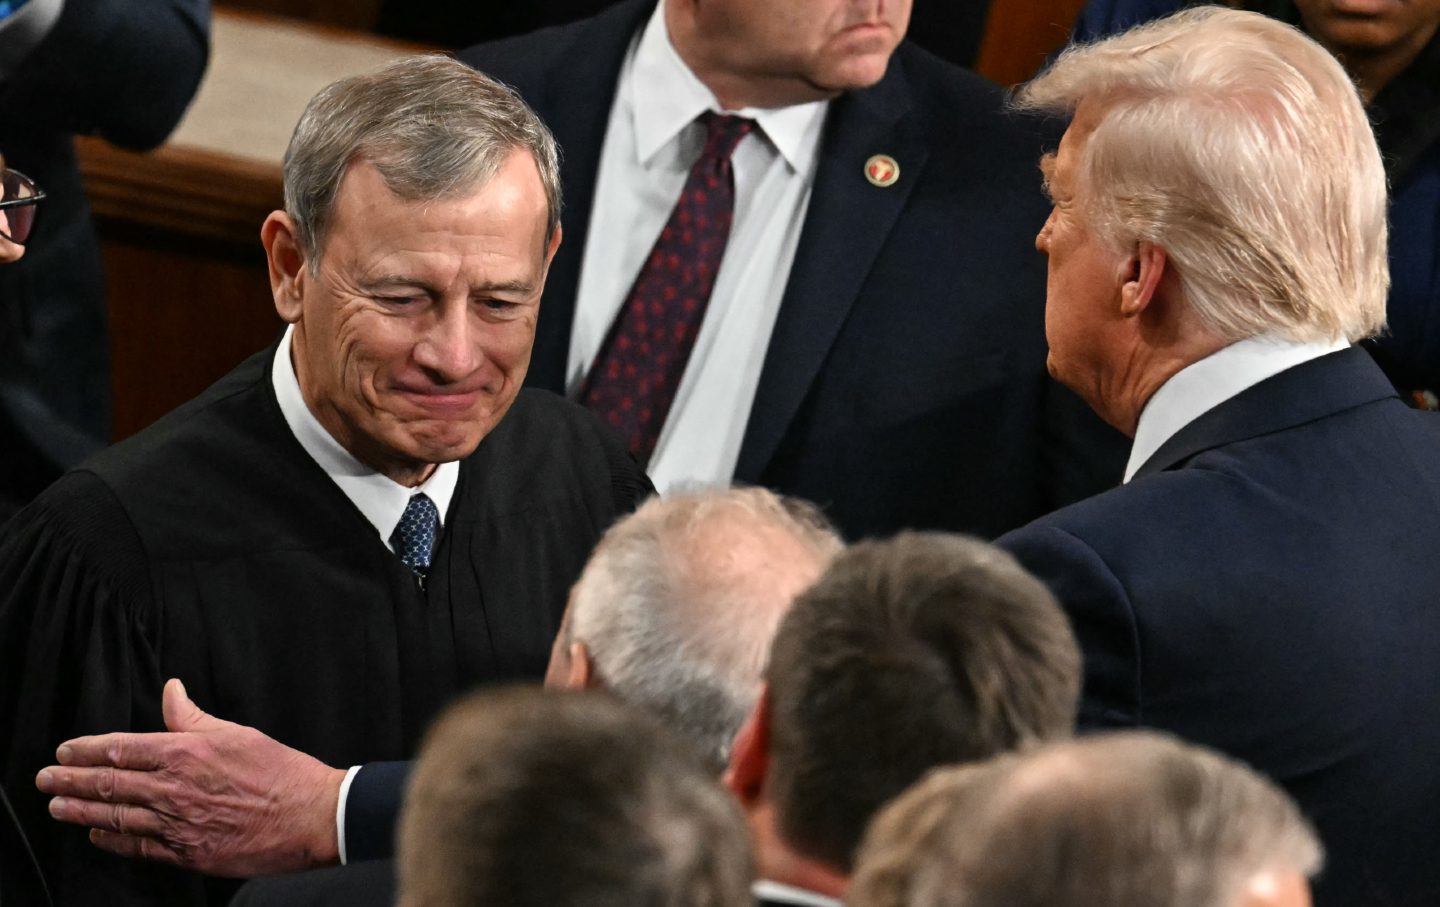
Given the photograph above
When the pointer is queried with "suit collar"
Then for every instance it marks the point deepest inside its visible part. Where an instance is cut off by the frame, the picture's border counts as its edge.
(575, 101)
(1306, 392)
(846, 226)
(1205, 384)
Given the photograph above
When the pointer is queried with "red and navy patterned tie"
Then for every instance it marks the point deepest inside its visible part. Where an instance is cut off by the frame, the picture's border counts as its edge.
(635, 375)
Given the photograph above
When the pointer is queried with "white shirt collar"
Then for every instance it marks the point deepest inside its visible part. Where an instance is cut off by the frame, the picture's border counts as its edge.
(381, 499)
(1202, 386)
(665, 96)
(779, 891)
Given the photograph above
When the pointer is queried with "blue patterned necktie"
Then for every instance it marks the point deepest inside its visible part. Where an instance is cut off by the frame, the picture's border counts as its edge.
(414, 535)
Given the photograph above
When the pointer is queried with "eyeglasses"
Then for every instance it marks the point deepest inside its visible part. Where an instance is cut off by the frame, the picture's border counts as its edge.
(18, 197)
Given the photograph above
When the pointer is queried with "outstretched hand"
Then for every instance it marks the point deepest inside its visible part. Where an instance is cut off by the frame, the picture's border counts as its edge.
(211, 795)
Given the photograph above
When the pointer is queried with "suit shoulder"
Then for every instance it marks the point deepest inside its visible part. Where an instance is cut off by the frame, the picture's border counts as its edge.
(76, 533)
(522, 61)
(543, 424)
(1158, 501)
(546, 441)
(954, 96)
(522, 58)
(194, 432)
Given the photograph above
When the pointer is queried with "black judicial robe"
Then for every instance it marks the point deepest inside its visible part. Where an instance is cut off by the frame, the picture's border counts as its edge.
(210, 547)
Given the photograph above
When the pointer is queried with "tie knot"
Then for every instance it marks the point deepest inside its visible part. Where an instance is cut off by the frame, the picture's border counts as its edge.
(723, 131)
(414, 535)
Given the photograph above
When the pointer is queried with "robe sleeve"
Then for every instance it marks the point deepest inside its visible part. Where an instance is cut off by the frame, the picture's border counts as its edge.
(629, 485)
(78, 655)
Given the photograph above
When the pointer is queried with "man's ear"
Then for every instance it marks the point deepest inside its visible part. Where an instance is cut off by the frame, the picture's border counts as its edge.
(582, 675)
(552, 247)
(287, 264)
(1142, 272)
(750, 754)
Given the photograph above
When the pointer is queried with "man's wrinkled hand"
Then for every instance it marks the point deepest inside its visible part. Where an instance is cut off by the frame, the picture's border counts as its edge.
(211, 795)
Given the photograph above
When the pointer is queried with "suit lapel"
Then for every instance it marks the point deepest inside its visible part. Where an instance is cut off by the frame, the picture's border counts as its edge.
(575, 103)
(1309, 391)
(846, 226)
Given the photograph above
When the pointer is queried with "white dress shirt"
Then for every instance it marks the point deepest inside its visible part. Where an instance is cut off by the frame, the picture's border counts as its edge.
(1204, 385)
(381, 499)
(789, 894)
(651, 143)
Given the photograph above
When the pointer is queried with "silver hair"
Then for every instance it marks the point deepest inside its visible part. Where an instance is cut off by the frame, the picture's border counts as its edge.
(433, 127)
(1135, 819)
(1240, 147)
(680, 601)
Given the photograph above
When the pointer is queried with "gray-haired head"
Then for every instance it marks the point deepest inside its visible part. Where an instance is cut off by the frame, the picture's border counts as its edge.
(680, 601)
(1241, 147)
(434, 129)
(1135, 819)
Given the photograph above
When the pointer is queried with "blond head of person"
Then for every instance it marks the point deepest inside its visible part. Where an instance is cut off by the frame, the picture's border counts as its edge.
(1219, 181)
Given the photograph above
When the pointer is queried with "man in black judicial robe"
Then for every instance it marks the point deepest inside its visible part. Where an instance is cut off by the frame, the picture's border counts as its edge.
(238, 545)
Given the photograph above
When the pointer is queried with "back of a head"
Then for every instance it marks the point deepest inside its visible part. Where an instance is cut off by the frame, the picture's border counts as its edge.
(920, 651)
(524, 797)
(1241, 147)
(1134, 819)
(680, 601)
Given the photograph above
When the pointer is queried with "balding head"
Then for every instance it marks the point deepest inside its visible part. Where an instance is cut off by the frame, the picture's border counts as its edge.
(1122, 820)
(675, 612)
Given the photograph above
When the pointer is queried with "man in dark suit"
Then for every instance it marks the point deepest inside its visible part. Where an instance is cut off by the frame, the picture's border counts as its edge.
(121, 69)
(350, 528)
(920, 651)
(1266, 582)
(872, 340)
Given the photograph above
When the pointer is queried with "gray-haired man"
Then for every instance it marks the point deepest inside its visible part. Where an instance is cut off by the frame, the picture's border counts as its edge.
(349, 528)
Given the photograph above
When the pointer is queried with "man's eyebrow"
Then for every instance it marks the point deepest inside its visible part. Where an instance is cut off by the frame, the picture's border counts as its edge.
(1047, 170)
(403, 281)
(524, 287)
(387, 281)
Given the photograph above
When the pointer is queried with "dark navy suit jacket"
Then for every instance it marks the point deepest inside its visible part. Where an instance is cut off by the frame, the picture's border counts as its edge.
(905, 381)
(1269, 585)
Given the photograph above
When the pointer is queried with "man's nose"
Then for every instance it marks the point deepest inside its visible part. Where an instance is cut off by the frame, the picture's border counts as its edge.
(450, 347)
(1042, 239)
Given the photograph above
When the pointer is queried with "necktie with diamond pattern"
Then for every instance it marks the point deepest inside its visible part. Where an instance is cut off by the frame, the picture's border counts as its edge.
(414, 535)
(635, 375)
